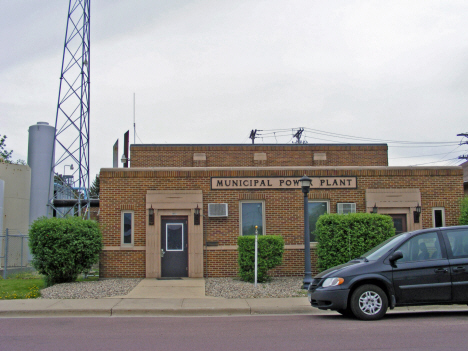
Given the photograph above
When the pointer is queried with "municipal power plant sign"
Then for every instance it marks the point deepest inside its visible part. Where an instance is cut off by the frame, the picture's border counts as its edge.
(282, 183)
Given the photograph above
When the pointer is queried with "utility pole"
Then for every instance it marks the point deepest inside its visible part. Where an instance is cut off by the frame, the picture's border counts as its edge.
(463, 157)
(463, 135)
(298, 136)
(253, 133)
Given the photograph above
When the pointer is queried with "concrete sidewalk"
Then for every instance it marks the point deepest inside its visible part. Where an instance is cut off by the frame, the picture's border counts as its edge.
(185, 297)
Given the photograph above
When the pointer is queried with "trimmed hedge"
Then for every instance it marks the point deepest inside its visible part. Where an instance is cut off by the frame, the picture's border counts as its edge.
(270, 255)
(343, 237)
(62, 248)
(464, 211)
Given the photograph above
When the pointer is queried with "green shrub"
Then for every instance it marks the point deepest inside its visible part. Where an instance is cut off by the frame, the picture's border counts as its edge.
(464, 211)
(62, 248)
(344, 237)
(270, 255)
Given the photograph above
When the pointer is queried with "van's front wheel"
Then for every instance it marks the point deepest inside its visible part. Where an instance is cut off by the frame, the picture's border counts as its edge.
(369, 302)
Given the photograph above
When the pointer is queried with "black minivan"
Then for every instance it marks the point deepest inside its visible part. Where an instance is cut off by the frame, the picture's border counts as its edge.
(424, 267)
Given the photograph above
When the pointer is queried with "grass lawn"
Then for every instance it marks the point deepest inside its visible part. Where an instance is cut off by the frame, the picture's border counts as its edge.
(28, 286)
(21, 286)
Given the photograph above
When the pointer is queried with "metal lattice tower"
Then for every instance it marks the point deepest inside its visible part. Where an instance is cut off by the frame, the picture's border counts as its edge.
(71, 144)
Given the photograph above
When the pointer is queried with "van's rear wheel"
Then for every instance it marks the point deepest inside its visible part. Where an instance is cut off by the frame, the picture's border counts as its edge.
(369, 302)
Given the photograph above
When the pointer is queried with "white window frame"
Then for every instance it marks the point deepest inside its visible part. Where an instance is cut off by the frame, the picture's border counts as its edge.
(433, 215)
(263, 214)
(320, 201)
(122, 216)
(353, 209)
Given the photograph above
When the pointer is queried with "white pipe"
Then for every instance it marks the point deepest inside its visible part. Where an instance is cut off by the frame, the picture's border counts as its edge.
(256, 254)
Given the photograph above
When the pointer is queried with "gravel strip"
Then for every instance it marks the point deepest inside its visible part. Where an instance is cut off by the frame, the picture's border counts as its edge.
(90, 290)
(236, 289)
(230, 288)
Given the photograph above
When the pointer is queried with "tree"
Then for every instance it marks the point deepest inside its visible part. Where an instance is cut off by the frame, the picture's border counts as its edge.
(270, 255)
(5, 155)
(94, 191)
(343, 237)
(64, 247)
(464, 211)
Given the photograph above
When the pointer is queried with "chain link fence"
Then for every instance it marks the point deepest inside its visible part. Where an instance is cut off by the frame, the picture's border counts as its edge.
(14, 253)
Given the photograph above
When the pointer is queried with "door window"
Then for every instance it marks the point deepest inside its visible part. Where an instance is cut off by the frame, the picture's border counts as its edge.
(421, 248)
(174, 237)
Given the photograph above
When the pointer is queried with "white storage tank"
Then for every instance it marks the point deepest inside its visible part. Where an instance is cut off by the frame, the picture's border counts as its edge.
(41, 159)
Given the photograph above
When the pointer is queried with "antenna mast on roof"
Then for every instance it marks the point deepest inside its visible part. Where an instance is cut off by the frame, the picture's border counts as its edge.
(71, 141)
(134, 125)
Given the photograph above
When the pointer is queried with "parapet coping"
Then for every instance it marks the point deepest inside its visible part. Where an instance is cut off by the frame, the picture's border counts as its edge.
(285, 168)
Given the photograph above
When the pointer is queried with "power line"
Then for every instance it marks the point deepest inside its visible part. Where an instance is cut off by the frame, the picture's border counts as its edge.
(426, 163)
(443, 153)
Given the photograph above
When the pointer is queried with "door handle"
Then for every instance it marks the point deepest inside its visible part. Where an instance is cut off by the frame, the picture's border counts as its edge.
(441, 270)
(458, 269)
(162, 252)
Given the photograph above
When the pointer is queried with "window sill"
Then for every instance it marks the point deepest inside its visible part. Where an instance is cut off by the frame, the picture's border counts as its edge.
(124, 248)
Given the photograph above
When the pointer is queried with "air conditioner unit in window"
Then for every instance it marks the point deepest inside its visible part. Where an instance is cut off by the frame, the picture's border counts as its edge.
(344, 208)
(217, 210)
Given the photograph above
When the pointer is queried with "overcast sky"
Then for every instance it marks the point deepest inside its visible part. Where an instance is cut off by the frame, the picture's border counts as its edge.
(211, 71)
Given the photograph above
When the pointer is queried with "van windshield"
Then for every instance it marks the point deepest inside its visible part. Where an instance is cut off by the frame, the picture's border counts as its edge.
(378, 251)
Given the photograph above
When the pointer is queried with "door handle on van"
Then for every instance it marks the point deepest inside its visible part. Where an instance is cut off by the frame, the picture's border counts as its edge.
(458, 269)
(162, 252)
(441, 270)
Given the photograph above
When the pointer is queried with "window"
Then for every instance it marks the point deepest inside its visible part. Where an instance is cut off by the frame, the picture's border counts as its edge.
(458, 240)
(316, 209)
(127, 227)
(438, 217)
(421, 248)
(252, 214)
(174, 237)
(346, 207)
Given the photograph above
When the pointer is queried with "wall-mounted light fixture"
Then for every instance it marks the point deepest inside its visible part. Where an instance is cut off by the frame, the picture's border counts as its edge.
(417, 214)
(124, 159)
(151, 216)
(196, 216)
(374, 209)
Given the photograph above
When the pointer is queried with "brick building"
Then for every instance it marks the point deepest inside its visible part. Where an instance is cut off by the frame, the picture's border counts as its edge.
(148, 211)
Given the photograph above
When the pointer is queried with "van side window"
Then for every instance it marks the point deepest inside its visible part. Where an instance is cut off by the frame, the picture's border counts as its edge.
(458, 240)
(421, 247)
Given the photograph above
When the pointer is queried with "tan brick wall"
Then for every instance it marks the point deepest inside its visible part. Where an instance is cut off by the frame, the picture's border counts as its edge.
(126, 189)
(243, 156)
(122, 264)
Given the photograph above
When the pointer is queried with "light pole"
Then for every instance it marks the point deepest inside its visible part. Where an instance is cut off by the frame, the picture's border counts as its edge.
(305, 185)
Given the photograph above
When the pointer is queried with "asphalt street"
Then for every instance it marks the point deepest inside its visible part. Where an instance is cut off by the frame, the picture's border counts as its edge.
(397, 331)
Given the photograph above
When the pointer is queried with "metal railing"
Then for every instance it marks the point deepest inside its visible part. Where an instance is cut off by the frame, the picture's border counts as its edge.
(14, 252)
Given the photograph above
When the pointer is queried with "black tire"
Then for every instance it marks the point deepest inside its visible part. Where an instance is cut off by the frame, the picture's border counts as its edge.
(369, 302)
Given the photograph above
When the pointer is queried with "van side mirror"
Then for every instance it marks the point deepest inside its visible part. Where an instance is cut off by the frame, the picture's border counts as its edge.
(395, 256)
